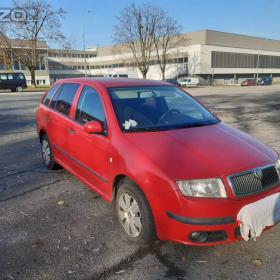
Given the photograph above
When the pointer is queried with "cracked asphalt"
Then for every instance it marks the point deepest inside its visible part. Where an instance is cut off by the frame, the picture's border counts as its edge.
(53, 227)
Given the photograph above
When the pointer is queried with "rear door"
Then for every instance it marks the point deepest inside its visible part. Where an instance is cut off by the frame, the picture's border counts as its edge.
(59, 120)
(4, 81)
(11, 83)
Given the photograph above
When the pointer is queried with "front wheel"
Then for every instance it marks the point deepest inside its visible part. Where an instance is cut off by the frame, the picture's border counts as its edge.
(134, 213)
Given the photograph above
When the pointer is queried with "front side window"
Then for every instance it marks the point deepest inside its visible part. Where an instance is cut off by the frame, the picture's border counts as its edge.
(90, 107)
(152, 108)
(65, 98)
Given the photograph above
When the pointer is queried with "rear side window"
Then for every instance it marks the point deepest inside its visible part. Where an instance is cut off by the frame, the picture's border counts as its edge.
(65, 98)
(50, 95)
(90, 106)
(3, 77)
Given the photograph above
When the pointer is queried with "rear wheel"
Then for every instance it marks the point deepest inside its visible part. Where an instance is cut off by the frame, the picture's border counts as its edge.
(19, 89)
(47, 154)
(134, 213)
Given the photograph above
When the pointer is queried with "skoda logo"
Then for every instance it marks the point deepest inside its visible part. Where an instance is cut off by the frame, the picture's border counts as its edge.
(258, 174)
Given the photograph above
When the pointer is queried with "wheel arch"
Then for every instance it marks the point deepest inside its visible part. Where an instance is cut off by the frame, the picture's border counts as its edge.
(118, 178)
(41, 133)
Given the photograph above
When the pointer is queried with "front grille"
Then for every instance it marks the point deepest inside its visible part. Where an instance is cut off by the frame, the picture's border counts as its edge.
(254, 181)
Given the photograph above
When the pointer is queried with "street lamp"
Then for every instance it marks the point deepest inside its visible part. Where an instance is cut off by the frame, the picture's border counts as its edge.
(84, 44)
(258, 62)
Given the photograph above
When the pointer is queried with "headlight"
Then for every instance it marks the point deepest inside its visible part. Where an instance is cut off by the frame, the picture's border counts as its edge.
(203, 188)
(277, 165)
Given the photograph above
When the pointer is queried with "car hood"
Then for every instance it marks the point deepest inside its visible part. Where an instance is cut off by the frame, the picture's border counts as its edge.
(202, 152)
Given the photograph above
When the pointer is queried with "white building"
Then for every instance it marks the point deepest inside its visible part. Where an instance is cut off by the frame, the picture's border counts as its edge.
(223, 57)
(212, 56)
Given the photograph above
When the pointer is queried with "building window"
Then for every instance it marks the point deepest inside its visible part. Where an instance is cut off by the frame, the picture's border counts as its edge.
(58, 67)
(40, 82)
(243, 60)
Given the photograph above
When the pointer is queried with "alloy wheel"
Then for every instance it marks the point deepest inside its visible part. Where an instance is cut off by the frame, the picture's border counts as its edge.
(46, 151)
(129, 215)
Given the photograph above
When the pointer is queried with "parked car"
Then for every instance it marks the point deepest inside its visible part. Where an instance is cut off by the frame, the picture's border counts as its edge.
(120, 75)
(265, 81)
(189, 82)
(172, 81)
(249, 82)
(169, 166)
(13, 81)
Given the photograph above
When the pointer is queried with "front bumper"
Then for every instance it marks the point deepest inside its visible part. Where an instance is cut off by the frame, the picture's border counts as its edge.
(215, 217)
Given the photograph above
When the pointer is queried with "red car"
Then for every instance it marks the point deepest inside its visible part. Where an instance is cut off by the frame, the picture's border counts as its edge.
(249, 82)
(171, 168)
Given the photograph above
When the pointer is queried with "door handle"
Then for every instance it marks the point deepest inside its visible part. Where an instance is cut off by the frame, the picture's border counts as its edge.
(48, 118)
(71, 131)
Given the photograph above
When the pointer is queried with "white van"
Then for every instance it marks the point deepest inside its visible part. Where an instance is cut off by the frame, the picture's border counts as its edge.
(189, 82)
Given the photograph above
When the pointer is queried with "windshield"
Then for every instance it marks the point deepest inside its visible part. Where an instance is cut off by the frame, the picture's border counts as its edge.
(154, 108)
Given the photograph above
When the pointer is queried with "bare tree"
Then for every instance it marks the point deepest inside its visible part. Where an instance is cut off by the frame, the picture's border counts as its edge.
(134, 32)
(5, 53)
(166, 37)
(42, 23)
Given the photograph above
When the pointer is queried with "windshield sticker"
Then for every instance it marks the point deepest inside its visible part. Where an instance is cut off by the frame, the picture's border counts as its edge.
(129, 124)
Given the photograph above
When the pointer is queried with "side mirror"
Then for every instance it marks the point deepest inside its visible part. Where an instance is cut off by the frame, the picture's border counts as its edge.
(93, 127)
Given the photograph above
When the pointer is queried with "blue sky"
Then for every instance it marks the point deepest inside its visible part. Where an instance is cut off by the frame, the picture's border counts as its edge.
(252, 17)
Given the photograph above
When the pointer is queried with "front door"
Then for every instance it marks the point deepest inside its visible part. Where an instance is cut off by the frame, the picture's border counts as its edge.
(91, 151)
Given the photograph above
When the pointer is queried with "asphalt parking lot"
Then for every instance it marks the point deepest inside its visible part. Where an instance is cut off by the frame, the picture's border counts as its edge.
(53, 227)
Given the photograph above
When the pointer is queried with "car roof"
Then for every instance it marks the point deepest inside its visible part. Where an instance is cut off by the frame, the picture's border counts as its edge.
(115, 82)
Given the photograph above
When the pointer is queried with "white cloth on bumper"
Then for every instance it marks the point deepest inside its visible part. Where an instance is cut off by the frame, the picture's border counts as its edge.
(255, 217)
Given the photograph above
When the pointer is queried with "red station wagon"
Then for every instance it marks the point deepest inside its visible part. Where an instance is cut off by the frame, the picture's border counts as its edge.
(171, 168)
(249, 82)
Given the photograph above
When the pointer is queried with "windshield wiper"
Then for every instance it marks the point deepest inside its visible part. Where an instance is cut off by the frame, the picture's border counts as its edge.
(171, 127)
(193, 125)
(151, 129)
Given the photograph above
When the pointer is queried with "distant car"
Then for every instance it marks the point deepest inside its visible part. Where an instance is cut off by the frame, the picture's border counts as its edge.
(13, 81)
(172, 81)
(120, 75)
(265, 81)
(169, 166)
(249, 82)
(189, 82)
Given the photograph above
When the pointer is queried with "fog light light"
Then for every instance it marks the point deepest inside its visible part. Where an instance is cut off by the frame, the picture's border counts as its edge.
(199, 236)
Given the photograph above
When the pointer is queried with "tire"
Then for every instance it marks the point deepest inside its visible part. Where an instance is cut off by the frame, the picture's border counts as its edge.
(137, 220)
(13, 90)
(19, 89)
(47, 154)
